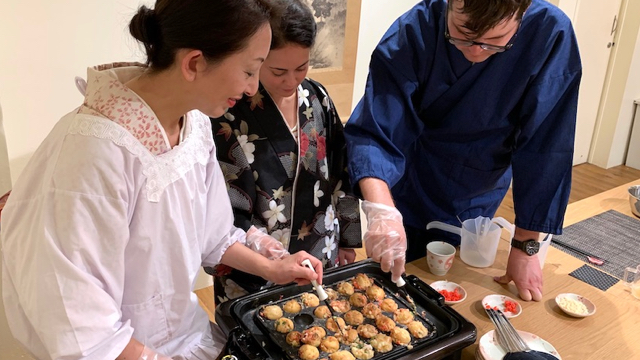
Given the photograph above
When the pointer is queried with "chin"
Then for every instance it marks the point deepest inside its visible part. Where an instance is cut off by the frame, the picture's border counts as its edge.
(214, 113)
(476, 59)
(284, 93)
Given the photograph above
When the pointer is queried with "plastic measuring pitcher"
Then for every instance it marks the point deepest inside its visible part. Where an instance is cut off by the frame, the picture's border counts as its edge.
(479, 238)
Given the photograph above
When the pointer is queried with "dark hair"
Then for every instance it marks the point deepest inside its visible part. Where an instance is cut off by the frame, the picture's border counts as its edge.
(292, 22)
(218, 28)
(486, 14)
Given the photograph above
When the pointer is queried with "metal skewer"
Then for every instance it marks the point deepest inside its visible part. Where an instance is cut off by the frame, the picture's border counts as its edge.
(592, 258)
(400, 283)
(323, 296)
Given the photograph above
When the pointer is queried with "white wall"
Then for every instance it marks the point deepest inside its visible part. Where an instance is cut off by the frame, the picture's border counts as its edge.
(625, 119)
(43, 45)
(375, 18)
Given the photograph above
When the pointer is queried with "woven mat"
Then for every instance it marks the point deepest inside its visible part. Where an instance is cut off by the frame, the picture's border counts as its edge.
(612, 236)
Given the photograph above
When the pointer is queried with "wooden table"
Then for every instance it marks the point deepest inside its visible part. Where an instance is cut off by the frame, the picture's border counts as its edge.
(611, 333)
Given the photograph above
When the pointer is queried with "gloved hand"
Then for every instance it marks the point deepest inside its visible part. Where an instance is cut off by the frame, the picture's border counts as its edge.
(385, 239)
(150, 354)
(265, 245)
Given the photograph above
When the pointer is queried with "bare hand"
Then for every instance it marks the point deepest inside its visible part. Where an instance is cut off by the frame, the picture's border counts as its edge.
(346, 256)
(525, 272)
(290, 268)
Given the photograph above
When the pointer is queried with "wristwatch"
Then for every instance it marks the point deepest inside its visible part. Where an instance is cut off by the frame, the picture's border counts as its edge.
(530, 247)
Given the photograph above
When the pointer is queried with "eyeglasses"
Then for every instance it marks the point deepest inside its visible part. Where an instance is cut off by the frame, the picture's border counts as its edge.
(469, 43)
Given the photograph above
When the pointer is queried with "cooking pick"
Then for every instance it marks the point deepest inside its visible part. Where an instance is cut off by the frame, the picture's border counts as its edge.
(322, 295)
(400, 283)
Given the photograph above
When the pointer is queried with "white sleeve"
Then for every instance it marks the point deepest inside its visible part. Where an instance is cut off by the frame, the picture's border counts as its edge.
(220, 231)
(63, 255)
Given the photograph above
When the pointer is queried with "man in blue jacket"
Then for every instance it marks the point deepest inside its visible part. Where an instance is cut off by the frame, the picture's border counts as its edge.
(462, 98)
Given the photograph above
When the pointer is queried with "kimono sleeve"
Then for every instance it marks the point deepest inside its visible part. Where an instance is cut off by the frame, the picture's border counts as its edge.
(63, 268)
(240, 183)
(385, 123)
(542, 159)
(345, 202)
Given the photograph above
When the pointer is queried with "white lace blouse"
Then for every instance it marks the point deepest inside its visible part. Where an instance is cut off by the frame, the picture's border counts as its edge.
(105, 232)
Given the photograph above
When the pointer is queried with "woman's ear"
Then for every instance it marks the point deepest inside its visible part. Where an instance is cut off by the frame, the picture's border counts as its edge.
(192, 64)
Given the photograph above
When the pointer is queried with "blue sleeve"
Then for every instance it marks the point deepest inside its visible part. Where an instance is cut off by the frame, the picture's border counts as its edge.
(384, 124)
(543, 155)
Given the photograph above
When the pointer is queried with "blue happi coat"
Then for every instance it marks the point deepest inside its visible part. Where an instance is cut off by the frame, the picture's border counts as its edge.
(448, 136)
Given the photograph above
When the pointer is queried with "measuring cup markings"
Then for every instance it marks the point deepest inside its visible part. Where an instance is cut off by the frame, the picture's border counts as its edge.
(479, 238)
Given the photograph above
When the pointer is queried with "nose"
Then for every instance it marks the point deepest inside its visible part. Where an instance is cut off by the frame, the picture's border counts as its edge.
(252, 86)
(475, 50)
(290, 80)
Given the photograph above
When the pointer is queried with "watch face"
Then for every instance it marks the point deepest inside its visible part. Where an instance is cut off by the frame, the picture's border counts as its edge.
(532, 247)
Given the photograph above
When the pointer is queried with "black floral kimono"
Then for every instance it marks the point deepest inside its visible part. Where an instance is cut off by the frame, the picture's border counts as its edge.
(298, 192)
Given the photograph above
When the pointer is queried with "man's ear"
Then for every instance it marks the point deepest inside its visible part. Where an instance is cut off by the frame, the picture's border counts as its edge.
(192, 64)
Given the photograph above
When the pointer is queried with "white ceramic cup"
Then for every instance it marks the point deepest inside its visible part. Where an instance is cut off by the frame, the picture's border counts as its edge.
(440, 257)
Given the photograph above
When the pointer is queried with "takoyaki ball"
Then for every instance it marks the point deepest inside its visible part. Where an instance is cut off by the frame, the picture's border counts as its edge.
(347, 336)
(389, 305)
(320, 330)
(354, 317)
(362, 351)
(358, 299)
(284, 325)
(271, 312)
(345, 288)
(294, 338)
(340, 306)
(322, 312)
(332, 326)
(311, 337)
(367, 331)
(329, 344)
(375, 293)
(292, 307)
(381, 343)
(310, 300)
(384, 323)
(417, 329)
(371, 310)
(400, 336)
(342, 355)
(403, 316)
(308, 352)
(362, 282)
(332, 294)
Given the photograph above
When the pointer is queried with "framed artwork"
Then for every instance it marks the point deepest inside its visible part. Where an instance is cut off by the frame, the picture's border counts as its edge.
(333, 56)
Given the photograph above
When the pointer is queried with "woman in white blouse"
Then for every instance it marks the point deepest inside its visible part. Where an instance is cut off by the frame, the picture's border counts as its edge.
(124, 201)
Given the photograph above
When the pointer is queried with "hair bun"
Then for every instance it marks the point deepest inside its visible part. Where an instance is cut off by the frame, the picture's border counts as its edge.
(145, 28)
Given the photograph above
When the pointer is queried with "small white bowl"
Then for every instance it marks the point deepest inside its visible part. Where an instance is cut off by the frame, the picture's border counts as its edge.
(450, 286)
(565, 300)
(497, 301)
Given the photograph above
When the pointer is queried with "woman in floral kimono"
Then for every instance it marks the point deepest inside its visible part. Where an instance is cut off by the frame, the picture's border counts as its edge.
(283, 155)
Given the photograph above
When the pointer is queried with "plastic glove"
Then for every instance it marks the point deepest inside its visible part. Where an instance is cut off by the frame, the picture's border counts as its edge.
(265, 245)
(385, 239)
(150, 354)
